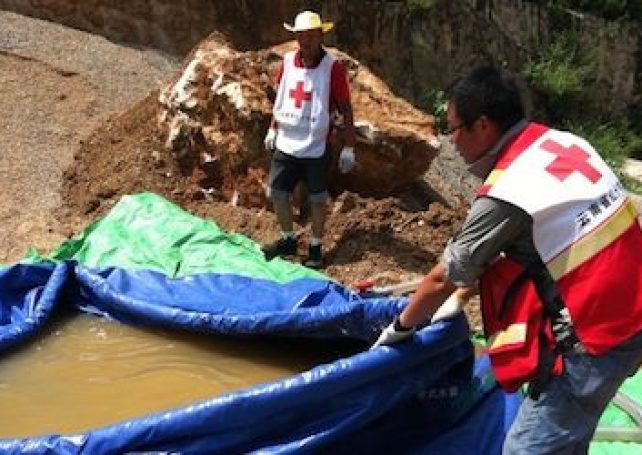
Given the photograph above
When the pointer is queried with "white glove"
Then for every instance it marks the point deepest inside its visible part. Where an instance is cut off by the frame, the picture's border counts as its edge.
(392, 334)
(451, 307)
(346, 160)
(270, 139)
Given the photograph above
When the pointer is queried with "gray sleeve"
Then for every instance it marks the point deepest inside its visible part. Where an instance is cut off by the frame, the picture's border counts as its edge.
(492, 226)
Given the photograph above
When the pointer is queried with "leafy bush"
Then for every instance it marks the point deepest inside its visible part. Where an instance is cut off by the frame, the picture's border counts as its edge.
(420, 4)
(607, 9)
(615, 142)
(560, 74)
(434, 101)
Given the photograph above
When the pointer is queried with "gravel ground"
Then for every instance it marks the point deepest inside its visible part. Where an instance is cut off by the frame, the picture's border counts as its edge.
(58, 84)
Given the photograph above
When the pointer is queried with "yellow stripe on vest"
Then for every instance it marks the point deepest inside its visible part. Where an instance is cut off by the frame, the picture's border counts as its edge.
(493, 177)
(514, 333)
(589, 245)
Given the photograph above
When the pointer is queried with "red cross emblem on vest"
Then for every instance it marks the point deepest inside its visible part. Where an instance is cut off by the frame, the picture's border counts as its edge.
(299, 95)
(568, 160)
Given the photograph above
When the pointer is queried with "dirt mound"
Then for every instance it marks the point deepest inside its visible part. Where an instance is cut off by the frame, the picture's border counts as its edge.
(215, 112)
(401, 235)
(391, 239)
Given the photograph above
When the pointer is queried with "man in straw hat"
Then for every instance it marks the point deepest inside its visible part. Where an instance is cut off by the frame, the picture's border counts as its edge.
(311, 85)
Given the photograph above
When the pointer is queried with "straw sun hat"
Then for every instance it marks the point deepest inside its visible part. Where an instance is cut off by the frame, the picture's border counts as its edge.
(308, 20)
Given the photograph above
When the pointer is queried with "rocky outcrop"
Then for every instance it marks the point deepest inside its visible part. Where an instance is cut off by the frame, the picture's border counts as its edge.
(413, 50)
(215, 113)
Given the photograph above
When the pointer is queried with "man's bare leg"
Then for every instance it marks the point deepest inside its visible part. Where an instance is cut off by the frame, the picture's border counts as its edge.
(283, 210)
(315, 256)
(318, 212)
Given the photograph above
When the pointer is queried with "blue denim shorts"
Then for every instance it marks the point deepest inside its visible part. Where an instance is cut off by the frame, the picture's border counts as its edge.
(564, 418)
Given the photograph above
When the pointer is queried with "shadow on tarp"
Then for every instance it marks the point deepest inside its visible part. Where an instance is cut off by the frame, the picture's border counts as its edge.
(418, 396)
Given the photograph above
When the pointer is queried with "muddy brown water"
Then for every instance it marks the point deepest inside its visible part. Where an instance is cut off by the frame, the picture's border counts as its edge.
(85, 372)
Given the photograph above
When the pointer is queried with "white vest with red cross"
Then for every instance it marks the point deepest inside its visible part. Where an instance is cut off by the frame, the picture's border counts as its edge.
(302, 108)
(586, 232)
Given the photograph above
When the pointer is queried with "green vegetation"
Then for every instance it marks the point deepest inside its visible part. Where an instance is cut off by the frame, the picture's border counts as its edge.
(434, 101)
(606, 9)
(615, 142)
(559, 75)
(421, 4)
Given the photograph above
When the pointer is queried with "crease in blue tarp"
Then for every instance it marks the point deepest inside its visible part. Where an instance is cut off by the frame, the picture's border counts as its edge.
(147, 262)
(318, 409)
(235, 305)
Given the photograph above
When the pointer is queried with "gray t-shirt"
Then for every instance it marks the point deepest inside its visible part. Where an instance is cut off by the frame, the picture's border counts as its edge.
(491, 227)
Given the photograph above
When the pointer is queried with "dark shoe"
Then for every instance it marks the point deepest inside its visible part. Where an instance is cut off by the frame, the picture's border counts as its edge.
(282, 247)
(315, 257)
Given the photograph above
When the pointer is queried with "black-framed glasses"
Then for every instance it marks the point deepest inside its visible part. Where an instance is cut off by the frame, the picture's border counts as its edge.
(451, 129)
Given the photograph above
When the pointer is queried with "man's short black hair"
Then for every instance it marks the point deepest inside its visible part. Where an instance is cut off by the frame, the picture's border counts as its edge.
(488, 91)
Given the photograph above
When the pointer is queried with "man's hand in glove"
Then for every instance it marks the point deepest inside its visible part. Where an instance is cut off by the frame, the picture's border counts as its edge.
(346, 160)
(270, 140)
(451, 307)
(394, 333)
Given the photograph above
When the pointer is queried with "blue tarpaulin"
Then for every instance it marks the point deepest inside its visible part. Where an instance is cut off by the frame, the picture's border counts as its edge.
(423, 387)
(427, 395)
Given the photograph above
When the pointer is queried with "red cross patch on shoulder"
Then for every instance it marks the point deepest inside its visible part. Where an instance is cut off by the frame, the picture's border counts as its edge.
(568, 160)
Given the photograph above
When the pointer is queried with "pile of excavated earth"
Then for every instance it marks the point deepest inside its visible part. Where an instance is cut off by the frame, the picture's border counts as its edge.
(199, 143)
(92, 120)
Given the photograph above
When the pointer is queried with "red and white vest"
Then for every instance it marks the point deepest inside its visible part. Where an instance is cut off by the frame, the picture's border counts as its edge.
(302, 107)
(587, 234)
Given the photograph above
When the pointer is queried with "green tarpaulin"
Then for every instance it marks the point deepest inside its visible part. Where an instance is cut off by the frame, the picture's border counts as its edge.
(145, 231)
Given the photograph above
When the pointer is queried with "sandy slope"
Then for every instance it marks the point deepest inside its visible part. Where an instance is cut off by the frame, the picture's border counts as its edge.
(57, 85)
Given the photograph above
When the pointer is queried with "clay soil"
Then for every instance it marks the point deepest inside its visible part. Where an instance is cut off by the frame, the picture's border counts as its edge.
(397, 237)
(390, 240)
(120, 151)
